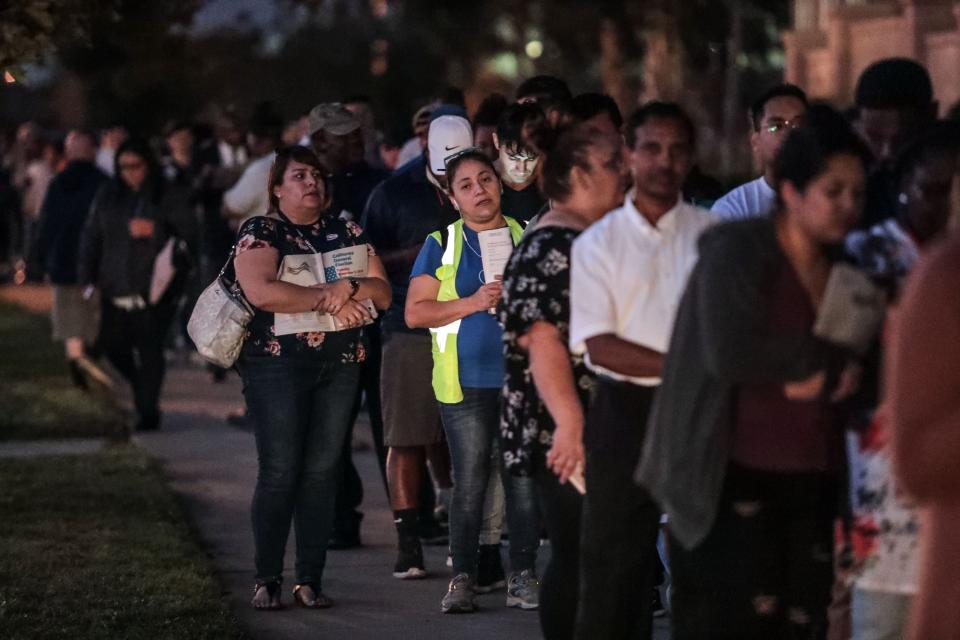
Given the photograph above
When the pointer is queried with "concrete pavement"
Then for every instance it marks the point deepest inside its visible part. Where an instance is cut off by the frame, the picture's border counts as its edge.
(213, 467)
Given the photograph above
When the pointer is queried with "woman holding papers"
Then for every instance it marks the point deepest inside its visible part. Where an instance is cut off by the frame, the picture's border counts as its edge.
(454, 286)
(313, 280)
(547, 388)
(745, 444)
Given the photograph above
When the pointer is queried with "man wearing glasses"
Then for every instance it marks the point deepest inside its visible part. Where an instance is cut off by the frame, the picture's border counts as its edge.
(772, 116)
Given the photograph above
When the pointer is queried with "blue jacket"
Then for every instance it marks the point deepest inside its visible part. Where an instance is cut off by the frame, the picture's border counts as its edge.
(62, 217)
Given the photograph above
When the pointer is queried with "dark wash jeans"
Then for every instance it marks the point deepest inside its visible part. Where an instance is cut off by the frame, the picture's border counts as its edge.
(620, 521)
(472, 427)
(133, 343)
(300, 411)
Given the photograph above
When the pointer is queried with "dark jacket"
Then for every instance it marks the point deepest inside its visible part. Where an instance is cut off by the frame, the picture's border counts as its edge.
(401, 212)
(720, 341)
(62, 217)
(117, 263)
(351, 189)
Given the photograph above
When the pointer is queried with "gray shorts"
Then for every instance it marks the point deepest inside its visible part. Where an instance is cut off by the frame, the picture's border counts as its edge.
(410, 414)
(72, 316)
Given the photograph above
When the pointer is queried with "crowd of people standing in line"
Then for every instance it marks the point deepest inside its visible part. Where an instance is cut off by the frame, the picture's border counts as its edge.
(646, 384)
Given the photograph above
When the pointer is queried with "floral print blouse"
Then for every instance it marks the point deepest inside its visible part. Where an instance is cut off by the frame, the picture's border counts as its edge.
(536, 287)
(327, 234)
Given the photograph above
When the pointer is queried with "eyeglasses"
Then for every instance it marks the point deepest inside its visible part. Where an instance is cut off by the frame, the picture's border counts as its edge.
(131, 166)
(782, 125)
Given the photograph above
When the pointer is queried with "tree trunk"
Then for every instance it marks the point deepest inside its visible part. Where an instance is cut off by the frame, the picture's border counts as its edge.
(611, 65)
(731, 93)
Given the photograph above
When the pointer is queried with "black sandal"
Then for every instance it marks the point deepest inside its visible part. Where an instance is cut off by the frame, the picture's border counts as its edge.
(272, 600)
(308, 596)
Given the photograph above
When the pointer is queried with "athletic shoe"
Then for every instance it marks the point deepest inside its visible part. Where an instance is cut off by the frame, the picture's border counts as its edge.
(490, 576)
(523, 590)
(432, 534)
(409, 560)
(459, 598)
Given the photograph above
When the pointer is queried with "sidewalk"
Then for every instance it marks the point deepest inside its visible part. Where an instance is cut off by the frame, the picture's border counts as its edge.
(213, 466)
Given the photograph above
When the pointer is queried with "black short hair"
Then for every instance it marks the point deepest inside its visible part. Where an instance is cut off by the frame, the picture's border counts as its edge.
(358, 98)
(489, 112)
(894, 83)
(516, 123)
(266, 126)
(807, 150)
(778, 91)
(588, 105)
(942, 136)
(177, 125)
(453, 95)
(659, 110)
(548, 91)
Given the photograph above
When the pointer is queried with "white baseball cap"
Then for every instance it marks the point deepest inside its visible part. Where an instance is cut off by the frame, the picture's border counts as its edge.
(448, 136)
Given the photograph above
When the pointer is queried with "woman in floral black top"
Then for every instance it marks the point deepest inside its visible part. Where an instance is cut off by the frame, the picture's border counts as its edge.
(546, 388)
(299, 387)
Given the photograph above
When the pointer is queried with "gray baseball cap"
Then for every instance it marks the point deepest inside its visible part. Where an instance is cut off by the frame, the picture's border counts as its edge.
(332, 117)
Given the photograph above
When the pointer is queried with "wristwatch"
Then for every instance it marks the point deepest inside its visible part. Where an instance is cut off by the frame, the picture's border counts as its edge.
(354, 286)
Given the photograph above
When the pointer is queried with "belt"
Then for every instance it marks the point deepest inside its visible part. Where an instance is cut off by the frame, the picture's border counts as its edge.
(129, 303)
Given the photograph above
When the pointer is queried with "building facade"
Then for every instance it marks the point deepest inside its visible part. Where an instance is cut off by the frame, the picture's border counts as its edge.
(833, 41)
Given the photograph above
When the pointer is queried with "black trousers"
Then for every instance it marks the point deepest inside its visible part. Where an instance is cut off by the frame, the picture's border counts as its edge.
(765, 569)
(561, 506)
(618, 544)
(350, 490)
(133, 342)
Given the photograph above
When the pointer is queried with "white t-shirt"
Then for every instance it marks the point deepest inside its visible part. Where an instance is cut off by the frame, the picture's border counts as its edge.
(410, 150)
(751, 200)
(627, 277)
(105, 160)
(249, 197)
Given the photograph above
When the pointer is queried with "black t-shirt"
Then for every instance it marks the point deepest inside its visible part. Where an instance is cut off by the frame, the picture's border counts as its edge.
(402, 211)
(522, 204)
(351, 189)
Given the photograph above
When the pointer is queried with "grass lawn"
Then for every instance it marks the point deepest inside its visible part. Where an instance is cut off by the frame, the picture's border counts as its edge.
(37, 399)
(97, 547)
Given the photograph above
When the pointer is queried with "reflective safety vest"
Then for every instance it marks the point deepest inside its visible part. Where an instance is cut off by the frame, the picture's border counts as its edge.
(446, 370)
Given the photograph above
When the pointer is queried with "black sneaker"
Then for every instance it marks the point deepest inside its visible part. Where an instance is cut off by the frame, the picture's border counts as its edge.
(490, 575)
(432, 534)
(409, 560)
(346, 532)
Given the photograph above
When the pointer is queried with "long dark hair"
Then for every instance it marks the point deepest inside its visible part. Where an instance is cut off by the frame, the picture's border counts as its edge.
(303, 155)
(153, 184)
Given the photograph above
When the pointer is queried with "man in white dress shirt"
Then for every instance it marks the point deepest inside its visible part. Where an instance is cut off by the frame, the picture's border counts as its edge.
(629, 271)
(772, 116)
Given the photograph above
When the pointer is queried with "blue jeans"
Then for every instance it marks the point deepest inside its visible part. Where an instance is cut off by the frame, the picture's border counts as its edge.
(300, 412)
(472, 427)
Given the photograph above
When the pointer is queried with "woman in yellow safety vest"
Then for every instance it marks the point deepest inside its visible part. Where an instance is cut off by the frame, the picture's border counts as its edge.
(452, 296)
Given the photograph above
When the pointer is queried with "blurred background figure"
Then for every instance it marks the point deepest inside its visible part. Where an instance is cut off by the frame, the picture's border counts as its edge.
(61, 220)
(133, 218)
(110, 140)
(485, 124)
